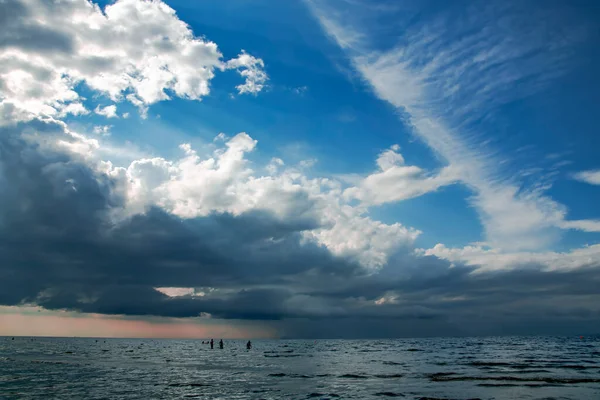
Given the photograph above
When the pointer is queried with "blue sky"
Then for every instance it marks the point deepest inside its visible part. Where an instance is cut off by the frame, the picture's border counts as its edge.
(539, 130)
(369, 142)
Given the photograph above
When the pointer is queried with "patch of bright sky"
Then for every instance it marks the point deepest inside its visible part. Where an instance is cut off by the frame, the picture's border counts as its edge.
(339, 119)
(439, 215)
(345, 125)
(36, 321)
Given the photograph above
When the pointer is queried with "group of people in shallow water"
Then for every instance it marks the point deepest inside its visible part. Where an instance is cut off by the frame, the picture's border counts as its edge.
(212, 344)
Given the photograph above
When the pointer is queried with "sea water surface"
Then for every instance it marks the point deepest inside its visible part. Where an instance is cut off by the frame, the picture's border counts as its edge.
(452, 368)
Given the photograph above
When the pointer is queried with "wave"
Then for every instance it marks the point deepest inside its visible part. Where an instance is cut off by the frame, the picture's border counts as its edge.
(389, 376)
(282, 355)
(48, 362)
(446, 378)
(191, 384)
(441, 374)
(555, 364)
(442, 398)
(532, 385)
(302, 376)
(577, 367)
(489, 364)
(354, 376)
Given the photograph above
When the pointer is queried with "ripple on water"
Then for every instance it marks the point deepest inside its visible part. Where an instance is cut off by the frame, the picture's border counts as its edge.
(443, 398)
(192, 384)
(448, 378)
(389, 394)
(389, 376)
(282, 355)
(79, 368)
(391, 363)
(354, 376)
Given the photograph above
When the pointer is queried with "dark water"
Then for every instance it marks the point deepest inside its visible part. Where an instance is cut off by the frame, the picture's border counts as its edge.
(483, 368)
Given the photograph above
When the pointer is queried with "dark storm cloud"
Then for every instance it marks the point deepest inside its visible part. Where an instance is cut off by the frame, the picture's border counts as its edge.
(59, 249)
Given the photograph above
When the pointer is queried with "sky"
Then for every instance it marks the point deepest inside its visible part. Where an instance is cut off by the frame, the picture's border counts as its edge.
(299, 169)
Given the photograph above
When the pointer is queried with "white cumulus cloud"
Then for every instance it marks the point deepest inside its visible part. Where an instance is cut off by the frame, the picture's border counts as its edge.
(102, 130)
(191, 186)
(226, 182)
(252, 69)
(592, 176)
(132, 49)
(108, 111)
(395, 181)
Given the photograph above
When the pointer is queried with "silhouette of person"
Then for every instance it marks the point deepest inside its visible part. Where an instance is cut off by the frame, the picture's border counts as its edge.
(212, 344)
(249, 345)
(221, 343)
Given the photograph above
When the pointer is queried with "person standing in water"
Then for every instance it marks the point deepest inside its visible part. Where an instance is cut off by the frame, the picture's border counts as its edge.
(221, 343)
(212, 344)
(249, 345)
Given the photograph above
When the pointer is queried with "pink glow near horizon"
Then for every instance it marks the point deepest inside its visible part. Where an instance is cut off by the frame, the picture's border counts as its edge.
(17, 324)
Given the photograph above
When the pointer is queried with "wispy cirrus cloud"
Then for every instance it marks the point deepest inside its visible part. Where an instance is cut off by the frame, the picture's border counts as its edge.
(486, 259)
(448, 72)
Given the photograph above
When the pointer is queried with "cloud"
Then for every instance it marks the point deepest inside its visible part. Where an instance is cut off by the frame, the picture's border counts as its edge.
(66, 205)
(592, 177)
(345, 37)
(274, 165)
(192, 187)
(108, 111)
(73, 109)
(493, 259)
(36, 321)
(190, 236)
(132, 50)
(395, 181)
(250, 68)
(443, 84)
(96, 228)
(102, 130)
(585, 225)
(300, 90)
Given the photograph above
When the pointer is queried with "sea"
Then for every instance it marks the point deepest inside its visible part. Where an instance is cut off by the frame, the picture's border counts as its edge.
(435, 368)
